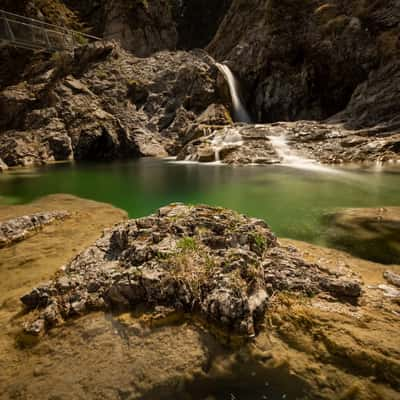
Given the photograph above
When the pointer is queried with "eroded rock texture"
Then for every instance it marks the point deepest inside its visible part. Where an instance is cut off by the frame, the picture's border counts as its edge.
(102, 102)
(20, 228)
(197, 259)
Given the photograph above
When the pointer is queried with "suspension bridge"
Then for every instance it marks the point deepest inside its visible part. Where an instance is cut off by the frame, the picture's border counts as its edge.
(28, 33)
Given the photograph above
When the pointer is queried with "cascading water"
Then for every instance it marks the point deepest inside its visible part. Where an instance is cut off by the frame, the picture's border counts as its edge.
(239, 110)
(228, 139)
(291, 159)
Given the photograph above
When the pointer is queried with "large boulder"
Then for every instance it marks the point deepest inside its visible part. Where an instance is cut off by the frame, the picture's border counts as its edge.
(197, 259)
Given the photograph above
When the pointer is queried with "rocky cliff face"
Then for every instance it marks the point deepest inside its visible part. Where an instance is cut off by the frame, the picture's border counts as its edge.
(304, 59)
(103, 103)
(141, 26)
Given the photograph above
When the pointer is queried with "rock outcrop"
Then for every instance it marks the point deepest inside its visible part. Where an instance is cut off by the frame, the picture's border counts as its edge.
(197, 259)
(20, 228)
(392, 278)
(326, 143)
(140, 26)
(103, 103)
(371, 233)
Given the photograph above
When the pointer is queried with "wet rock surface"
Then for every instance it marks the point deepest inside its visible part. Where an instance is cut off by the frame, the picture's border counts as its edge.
(103, 103)
(197, 259)
(326, 143)
(373, 233)
(20, 228)
(239, 144)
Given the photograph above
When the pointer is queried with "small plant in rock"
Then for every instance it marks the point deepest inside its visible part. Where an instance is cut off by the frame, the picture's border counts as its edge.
(259, 242)
(80, 39)
(187, 244)
(209, 264)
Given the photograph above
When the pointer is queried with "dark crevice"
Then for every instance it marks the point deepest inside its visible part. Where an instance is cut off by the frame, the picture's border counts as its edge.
(198, 21)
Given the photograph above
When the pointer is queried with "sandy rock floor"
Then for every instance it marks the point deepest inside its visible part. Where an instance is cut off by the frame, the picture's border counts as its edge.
(310, 347)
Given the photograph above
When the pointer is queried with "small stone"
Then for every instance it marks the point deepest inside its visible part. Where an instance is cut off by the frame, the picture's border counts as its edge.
(392, 278)
(35, 328)
(78, 306)
(93, 286)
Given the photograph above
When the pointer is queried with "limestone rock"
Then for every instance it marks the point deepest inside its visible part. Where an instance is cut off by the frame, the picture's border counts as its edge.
(20, 228)
(103, 103)
(304, 60)
(325, 143)
(197, 259)
(392, 278)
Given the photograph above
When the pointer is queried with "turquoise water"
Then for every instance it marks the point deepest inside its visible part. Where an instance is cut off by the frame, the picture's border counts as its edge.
(292, 201)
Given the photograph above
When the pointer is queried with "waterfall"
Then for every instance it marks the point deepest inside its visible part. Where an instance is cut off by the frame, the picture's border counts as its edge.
(227, 139)
(291, 159)
(239, 110)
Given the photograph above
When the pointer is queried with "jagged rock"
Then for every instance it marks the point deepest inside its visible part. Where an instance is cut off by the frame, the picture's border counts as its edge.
(142, 27)
(233, 145)
(374, 103)
(37, 146)
(103, 103)
(304, 60)
(20, 228)
(196, 259)
(214, 117)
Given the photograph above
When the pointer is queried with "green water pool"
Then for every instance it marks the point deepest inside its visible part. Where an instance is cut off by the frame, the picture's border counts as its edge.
(291, 200)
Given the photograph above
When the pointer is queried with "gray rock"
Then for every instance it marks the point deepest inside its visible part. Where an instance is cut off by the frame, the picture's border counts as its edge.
(102, 102)
(305, 61)
(220, 264)
(325, 143)
(20, 228)
(392, 278)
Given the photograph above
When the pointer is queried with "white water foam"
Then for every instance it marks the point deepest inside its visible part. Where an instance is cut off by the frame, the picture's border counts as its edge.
(227, 139)
(293, 160)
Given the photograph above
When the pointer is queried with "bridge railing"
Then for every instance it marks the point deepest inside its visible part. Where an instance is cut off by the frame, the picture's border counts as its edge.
(29, 33)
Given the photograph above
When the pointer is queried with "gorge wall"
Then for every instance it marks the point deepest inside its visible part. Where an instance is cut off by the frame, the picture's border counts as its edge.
(305, 59)
(337, 62)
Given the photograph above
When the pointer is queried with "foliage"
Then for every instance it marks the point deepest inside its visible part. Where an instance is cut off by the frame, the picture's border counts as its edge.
(187, 244)
(259, 241)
